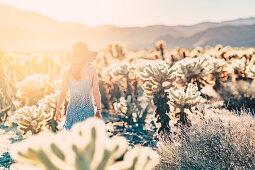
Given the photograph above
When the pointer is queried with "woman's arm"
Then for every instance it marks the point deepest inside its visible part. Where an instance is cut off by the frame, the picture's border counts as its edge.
(96, 92)
(62, 94)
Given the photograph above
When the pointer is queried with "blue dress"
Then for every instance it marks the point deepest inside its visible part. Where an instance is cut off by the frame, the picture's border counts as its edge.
(80, 105)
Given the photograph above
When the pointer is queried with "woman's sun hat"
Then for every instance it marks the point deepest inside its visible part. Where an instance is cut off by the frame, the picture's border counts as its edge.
(81, 54)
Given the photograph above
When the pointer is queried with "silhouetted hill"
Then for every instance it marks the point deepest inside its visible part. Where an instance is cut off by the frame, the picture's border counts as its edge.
(225, 35)
(30, 31)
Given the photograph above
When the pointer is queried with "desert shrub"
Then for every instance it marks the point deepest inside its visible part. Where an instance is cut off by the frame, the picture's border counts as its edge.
(219, 141)
(84, 147)
(239, 94)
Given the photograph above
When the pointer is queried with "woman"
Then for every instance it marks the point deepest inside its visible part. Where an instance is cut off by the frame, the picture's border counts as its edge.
(82, 80)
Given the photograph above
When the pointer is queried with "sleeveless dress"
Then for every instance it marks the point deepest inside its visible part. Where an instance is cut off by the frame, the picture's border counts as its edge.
(80, 105)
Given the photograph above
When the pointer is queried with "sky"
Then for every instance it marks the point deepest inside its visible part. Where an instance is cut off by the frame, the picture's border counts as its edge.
(138, 12)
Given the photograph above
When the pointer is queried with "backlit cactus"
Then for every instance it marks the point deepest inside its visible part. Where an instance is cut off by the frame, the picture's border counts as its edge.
(129, 112)
(159, 77)
(184, 100)
(125, 108)
(125, 73)
(251, 71)
(50, 103)
(84, 147)
(117, 51)
(219, 72)
(33, 88)
(161, 46)
(7, 95)
(31, 118)
(239, 67)
(121, 70)
(193, 70)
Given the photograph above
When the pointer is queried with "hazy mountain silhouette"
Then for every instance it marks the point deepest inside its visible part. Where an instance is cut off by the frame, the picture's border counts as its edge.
(31, 31)
(226, 35)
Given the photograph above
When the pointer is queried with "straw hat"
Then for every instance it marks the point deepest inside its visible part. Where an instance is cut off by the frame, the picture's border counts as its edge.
(81, 53)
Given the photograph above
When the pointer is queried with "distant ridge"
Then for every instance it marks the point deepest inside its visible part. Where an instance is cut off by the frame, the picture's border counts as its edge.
(23, 30)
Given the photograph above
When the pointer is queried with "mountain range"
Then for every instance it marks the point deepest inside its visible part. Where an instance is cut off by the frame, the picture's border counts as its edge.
(24, 30)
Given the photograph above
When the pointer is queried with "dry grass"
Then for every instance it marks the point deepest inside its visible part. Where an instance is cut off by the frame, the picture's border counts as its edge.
(219, 141)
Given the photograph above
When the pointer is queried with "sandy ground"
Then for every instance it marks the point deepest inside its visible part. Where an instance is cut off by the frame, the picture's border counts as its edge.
(7, 137)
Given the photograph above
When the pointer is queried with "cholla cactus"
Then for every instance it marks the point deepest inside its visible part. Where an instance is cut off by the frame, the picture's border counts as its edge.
(161, 46)
(239, 67)
(125, 72)
(85, 146)
(109, 88)
(50, 102)
(125, 108)
(251, 71)
(120, 51)
(31, 118)
(121, 70)
(193, 70)
(218, 72)
(4, 107)
(117, 51)
(159, 77)
(184, 100)
(129, 112)
(33, 88)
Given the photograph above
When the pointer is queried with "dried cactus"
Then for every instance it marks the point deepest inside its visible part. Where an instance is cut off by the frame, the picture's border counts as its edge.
(183, 100)
(33, 88)
(87, 148)
(193, 70)
(159, 77)
(31, 118)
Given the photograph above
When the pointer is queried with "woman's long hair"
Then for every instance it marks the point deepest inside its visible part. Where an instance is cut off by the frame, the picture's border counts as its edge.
(75, 70)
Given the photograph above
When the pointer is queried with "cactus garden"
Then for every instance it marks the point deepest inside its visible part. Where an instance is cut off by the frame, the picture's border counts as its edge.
(194, 112)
